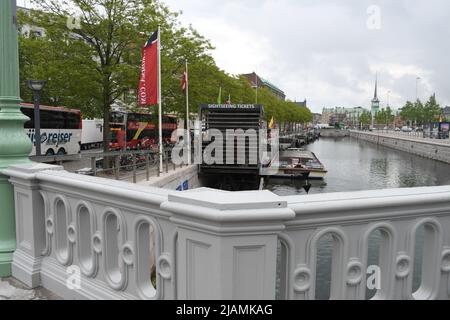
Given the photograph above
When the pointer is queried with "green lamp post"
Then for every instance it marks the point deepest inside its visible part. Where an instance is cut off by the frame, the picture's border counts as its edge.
(15, 146)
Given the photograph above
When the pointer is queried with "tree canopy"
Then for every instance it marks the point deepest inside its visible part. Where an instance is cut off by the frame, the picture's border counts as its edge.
(366, 118)
(422, 114)
(95, 64)
(385, 117)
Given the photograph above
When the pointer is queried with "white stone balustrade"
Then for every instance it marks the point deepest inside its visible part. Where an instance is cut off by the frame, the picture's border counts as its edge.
(209, 244)
(350, 218)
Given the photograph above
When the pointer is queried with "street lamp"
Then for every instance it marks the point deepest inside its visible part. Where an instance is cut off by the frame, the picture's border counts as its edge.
(36, 86)
(417, 88)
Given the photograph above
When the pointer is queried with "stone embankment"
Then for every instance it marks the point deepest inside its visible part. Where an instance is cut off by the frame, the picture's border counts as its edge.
(428, 148)
(334, 133)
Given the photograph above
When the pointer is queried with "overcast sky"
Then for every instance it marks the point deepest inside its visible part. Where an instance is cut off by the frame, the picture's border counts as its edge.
(329, 51)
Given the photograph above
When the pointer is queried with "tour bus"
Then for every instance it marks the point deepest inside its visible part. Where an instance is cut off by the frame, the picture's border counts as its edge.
(92, 134)
(60, 129)
(139, 130)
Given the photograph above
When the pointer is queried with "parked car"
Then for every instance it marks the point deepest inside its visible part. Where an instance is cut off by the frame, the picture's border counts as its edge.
(398, 129)
(407, 129)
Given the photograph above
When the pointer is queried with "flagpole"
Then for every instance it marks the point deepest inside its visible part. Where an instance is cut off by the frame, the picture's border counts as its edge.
(188, 126)
(256, 84)
(161, 149)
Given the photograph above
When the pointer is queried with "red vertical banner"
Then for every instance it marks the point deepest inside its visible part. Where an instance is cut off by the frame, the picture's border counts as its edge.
(148, 84)
(184, 81)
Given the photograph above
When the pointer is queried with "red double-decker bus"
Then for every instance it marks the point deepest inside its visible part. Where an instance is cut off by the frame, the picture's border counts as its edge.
(138, 130)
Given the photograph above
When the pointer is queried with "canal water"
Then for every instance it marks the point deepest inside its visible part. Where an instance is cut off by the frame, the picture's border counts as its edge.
(355, 165)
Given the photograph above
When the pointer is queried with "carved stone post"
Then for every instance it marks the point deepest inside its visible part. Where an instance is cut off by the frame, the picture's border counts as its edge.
(227, 243)
(32, 216)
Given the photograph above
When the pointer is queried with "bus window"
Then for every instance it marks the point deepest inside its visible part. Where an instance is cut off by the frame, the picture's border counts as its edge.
(117, 118)
(72, 121)
(131, 134)
(114, 135)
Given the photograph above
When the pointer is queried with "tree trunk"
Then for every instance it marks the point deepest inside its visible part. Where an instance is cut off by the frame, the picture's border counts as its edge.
(106, 121)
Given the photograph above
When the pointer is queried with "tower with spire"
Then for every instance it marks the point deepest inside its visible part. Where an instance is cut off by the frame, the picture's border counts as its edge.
(375, 100)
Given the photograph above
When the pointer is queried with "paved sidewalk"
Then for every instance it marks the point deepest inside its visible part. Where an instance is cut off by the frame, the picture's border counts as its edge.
(405, 136)
(11, 289)
(413, 135)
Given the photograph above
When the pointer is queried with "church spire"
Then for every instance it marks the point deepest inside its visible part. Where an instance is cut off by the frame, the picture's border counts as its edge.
(375, 96)
(376, 87)
(375, 100)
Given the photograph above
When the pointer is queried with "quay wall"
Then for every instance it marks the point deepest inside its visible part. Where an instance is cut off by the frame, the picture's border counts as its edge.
(181, 179)
(334, 133)
(428, 149)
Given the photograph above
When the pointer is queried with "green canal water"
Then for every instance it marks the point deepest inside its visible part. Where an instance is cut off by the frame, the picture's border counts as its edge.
(355, 165)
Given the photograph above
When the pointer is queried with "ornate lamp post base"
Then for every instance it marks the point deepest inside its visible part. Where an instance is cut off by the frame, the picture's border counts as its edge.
(15, 146)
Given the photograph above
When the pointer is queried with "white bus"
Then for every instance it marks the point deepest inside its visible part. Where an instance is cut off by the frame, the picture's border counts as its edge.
(92, 134)
(60, 129)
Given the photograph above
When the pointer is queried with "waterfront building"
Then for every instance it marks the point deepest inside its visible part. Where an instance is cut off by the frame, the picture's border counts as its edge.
(257, 82)
(317, 118)
(398, 120)
(346, 116)
(326, 115)
(303, 104)
(446, 113)
(354, 115)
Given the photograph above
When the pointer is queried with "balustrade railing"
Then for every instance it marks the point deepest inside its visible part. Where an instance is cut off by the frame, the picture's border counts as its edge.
(85, 237)
(350, 221)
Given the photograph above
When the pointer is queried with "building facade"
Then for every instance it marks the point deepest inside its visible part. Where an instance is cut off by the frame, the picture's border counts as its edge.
(30, 31)
(257, 82)
(317, 118)
(303, 104)
(343, 116)
(446, 113)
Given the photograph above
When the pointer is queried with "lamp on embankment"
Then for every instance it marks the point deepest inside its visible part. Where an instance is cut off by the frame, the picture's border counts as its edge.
(36, 86)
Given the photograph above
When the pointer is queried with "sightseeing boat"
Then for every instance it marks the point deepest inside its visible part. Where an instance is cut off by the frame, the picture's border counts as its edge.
(296, 163)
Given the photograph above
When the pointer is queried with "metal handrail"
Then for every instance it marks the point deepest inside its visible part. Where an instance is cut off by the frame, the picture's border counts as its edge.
(117, 168)
(135, 165)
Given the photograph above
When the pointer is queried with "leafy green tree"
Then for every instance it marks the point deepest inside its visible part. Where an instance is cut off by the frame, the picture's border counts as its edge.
(365, 119)
(94, 66)
(71, 77)
(432, 110)
(407, 113)
(385, 117)
(109, 41)
(421, 114)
